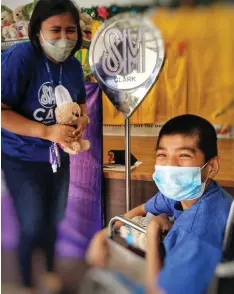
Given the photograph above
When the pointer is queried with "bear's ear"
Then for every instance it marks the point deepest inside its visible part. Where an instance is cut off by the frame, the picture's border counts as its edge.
(28, 9)
(5, 8)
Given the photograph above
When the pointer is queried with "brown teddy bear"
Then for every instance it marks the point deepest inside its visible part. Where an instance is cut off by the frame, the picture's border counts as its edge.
(6, 18)
(21, 22)
(8, 26)
(18, 14)
(86, 25)
(66, 112)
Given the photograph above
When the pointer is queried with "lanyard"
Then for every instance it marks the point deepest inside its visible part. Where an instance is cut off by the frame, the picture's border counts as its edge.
(54, 151)
(55, 159)
(50, 74)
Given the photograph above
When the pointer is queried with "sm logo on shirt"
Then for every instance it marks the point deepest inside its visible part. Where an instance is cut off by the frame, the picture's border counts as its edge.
(47, 101)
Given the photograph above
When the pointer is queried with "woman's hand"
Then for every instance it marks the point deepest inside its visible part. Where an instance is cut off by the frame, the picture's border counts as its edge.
(60, 134)
(81, 124)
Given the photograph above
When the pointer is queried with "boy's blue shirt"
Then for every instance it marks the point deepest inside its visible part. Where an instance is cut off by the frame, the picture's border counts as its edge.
(194, 244)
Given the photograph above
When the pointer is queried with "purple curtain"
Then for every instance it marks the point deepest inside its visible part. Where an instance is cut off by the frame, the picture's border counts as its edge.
(84, 208)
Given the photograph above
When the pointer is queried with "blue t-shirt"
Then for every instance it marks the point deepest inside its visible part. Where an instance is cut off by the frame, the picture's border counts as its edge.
(27, 89)
(194, 244)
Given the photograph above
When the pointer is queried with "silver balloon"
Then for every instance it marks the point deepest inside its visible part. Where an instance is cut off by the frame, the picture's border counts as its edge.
(126, 56)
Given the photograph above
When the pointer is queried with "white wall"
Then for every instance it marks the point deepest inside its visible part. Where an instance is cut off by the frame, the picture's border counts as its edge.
(89, 3)
(83, 3)
(14, 3)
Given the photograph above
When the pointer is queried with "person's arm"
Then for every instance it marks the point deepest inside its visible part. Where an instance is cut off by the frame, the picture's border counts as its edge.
(84, 110)
(137, 211)
(17, 124)
(155, 228)
(155, 205)
(97, 253)
(153, 259)
(83, 121)
(98, 248)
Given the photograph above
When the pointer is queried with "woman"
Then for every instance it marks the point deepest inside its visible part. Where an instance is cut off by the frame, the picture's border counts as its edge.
(30, 72)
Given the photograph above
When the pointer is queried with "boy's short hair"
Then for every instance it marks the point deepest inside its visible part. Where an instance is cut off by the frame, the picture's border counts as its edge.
(192, 125)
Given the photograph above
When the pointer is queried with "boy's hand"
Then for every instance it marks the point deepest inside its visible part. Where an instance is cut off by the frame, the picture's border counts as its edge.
(159, 224)
(97, 253)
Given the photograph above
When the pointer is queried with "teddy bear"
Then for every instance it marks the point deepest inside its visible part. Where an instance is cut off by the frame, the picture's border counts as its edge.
(66, 112)
(21, 22)
(86, 25)
(9, 32)
(6, 18)
(8, 27)
(18, 14)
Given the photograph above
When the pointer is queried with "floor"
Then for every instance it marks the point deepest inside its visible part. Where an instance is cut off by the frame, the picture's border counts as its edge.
(71, 272)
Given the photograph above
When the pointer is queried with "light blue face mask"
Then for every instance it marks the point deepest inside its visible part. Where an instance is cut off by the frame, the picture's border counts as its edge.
(179, 183)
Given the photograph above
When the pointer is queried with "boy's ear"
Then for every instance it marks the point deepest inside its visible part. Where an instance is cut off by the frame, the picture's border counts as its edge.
(213, 167)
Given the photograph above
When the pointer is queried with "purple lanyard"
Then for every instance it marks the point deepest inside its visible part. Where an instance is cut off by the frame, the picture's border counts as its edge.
(55, 160)
(50, 74)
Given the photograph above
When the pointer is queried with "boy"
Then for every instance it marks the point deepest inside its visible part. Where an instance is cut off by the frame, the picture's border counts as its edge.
(186, 162)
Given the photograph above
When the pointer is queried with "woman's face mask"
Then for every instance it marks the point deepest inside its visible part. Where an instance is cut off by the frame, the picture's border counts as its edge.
(59, 49)
(179, 183)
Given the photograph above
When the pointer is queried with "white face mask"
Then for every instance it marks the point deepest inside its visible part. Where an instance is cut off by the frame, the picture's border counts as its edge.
(59, 49)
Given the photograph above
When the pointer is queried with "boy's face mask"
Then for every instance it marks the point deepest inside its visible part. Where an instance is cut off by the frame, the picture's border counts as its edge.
(179, 183)
(59, 49)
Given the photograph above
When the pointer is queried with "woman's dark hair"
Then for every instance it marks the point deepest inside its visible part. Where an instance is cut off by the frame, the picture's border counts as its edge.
(47, 8)
(192, 125)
